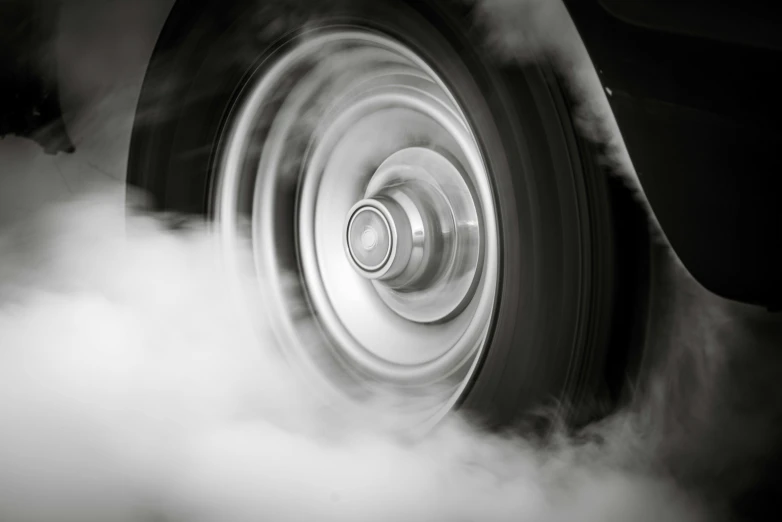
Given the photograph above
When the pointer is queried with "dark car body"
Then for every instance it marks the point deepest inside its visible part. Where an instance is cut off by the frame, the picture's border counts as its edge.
(693, 84)
(695, 88)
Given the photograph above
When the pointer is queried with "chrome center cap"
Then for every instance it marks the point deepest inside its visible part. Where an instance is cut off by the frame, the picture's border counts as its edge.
(379, 238)
(416, 235)
(370, 238)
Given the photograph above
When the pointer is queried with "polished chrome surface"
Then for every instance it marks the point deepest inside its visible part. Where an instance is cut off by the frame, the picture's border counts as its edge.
(369, 189)
(367, 219)
(370, 238)
(435, 235)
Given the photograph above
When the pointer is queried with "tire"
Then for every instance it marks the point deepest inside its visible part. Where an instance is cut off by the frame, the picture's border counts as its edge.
(551, 322)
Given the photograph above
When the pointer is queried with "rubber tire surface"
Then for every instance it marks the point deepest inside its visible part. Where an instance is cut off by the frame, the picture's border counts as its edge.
(553, 320)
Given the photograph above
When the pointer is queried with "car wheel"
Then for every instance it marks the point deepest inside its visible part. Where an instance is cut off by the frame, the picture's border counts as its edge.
(449, 232)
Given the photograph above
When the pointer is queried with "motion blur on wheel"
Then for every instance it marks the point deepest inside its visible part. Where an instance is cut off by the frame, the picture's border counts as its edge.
(451, 236)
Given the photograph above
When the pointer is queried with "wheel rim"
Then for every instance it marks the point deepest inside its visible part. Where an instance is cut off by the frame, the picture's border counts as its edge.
(368, 188)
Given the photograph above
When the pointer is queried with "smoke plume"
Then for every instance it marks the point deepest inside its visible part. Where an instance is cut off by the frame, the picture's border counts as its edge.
(134, 388)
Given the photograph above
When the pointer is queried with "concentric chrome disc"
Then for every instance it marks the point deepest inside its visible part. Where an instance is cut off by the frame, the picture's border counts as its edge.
(355, 173)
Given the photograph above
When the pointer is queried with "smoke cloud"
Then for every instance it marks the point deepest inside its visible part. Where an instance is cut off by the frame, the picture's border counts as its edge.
(134, 388)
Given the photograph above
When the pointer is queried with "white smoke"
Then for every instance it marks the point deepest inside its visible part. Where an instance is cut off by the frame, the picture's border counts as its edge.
(133, 388)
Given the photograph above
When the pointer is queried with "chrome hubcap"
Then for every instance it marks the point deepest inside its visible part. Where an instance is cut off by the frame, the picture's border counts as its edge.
(372, 238)
(420, 223)
(371, 189)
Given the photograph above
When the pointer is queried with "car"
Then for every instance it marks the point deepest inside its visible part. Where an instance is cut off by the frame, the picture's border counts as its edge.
(455, 204)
